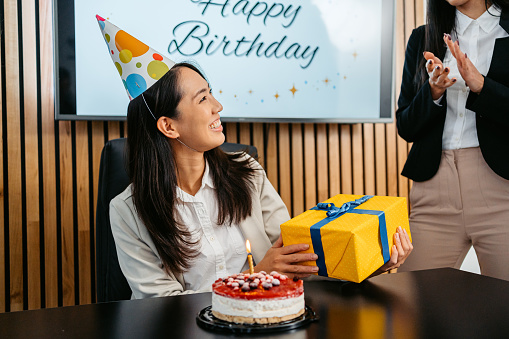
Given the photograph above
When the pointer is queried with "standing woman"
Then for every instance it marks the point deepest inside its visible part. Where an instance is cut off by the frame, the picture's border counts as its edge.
(454, 107)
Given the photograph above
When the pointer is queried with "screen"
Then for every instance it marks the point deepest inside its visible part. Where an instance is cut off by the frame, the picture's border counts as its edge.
(300, 60)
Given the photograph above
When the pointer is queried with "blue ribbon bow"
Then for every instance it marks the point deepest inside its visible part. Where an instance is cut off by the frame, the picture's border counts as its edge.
(333, 213)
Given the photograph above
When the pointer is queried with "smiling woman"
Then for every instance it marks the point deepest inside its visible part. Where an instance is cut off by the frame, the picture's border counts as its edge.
(183, 221)
(198, 125)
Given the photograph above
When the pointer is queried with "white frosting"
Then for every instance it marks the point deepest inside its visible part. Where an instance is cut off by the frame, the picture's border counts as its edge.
(257, 308)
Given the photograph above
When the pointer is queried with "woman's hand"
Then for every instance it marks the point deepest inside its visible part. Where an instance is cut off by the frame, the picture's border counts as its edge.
(469, 73)
(438, 75)
(400, 251)
(286, 260)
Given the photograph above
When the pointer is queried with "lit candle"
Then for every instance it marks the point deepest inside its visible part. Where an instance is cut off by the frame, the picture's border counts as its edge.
(249, 257)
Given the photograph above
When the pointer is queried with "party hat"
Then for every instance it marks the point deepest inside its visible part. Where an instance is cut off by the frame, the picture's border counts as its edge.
(139, 65)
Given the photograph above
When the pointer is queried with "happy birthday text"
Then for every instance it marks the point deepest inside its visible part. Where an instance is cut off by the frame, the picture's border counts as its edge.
(194, 37)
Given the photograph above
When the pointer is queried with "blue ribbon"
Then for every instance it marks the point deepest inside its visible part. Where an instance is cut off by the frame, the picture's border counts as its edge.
(333, 213)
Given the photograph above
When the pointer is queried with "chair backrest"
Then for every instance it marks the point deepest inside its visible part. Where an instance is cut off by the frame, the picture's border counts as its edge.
(113, 180)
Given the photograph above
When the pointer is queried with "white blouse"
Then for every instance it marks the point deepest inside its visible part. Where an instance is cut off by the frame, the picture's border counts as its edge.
(222, 248)
(476, 39)
(139, 259)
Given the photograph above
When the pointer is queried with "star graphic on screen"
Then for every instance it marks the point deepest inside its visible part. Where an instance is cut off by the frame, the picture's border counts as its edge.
(293, 90)
(250, 92)
(276, 96)
(326, 81)
(220, 92)
(355, 55)
(344, 77)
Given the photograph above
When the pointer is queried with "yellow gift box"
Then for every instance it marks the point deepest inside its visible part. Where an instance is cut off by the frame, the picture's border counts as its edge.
(351, 234)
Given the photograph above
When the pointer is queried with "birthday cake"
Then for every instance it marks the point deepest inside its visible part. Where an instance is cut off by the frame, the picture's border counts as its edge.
(257, 298)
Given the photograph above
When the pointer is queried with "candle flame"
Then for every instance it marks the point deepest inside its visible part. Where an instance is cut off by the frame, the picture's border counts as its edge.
(248, 246)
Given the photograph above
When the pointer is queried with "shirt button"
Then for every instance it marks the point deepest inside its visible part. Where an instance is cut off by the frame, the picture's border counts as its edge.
(221, 267)
(464, 90)
(461, 115)
(211, 238)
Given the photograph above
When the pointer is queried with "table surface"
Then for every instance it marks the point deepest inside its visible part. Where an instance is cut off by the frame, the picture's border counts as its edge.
(440, 303)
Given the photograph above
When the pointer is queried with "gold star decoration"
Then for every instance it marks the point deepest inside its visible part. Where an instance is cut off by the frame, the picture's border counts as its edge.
(326, 81)
(355, 55)
(276, 96)
(344, 77)
(235, 96)
(250, 92)
(293, 90)
(220, 92)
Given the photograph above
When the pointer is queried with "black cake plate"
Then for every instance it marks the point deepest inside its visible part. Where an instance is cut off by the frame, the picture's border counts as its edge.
(208, 322)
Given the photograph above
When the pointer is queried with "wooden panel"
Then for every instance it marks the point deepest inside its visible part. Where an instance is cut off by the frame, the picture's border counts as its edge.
(369, 159)
(309, 166)
(334, 161)
(380, 169)
(83, 189)
(231, 132)
(48, 154)
(392, 162)
(113, 130)
(297, 171)
(258, 142)
(31, 156)
(285, 184)
(409, 16)
(346, 160)
(322, 170)
(97, 146)
(271, 156)
(357, 159)
(245, 133)
(66, 213)
(420, 13)
(14, 156)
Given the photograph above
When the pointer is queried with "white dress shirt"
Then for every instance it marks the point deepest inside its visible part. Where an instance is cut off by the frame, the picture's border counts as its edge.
(476, 39)
(222, 248)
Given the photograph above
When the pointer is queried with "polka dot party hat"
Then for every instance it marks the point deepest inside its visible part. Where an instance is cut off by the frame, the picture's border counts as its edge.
(139, 65)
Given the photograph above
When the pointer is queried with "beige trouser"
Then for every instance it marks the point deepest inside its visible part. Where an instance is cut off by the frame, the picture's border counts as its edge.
(464, 204)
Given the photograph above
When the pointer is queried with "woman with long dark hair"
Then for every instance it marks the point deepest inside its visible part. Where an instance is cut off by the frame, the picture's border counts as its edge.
(183, 221)
(454, 107)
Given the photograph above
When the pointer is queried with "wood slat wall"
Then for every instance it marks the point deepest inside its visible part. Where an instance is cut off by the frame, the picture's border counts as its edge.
(50, 169)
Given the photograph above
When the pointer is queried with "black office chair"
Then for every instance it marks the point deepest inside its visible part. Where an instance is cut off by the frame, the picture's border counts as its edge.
(113, 180)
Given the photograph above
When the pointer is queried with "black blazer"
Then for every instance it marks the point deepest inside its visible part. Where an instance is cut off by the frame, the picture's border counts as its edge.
(420, 121)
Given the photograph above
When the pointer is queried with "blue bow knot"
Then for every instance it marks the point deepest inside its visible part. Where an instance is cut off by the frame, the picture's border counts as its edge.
(333, 211)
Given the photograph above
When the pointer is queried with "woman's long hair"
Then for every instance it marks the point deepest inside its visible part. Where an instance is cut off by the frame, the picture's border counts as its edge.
(153, 172)
(441, 18)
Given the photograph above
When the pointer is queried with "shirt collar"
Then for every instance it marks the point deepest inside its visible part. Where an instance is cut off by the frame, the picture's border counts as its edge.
(487, 21)
(205, 181)
(207, 177)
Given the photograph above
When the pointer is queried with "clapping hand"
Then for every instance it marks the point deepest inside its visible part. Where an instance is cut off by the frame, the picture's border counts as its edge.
(439, 79)
(469, 73)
